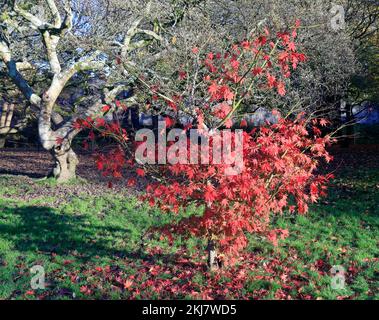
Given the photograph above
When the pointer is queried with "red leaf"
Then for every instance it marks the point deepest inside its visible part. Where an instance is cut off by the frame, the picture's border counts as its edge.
(128, 284)
(140, 172)
(105, 108)
(281, 88)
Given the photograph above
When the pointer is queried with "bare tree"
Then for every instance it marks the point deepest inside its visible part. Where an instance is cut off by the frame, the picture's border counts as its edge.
(56, 134)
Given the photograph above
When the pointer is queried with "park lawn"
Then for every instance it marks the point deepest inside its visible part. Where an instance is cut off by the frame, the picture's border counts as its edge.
(90, 248)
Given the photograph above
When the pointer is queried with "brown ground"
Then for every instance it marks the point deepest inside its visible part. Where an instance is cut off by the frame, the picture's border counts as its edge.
(24, 167)
(27, 165)
(354, 157)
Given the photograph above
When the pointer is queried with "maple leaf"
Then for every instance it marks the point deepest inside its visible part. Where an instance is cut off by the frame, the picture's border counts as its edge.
(228, 123)
(235, 64)
(271, 80)
(131, 182)
(257, 71)
(243, 123)
(316, 131)
(182, 75)
(77, 125)
(100, 164)
(105, 108)
(100, 122)
(262, 40)
(209, 194)
(213, 88)
(283, 56)
(85, 290)
(323, 122)
(172, 105)
(222, 110)
(292, 46)
(272, 237)
(246, 44)
(128, 284)
(169, 122)
(281, 88)
(227, 93)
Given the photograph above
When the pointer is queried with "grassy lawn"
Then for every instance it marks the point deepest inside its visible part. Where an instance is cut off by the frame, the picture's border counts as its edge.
(90, 247)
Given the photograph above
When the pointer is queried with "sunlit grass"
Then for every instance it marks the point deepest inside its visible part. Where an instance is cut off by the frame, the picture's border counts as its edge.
(89, 232)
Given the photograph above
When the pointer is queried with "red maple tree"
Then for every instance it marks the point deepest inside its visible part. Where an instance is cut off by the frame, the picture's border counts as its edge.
(279, 159)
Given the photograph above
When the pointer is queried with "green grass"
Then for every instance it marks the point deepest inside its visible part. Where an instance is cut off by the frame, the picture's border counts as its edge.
(342, 230)
(90, 232)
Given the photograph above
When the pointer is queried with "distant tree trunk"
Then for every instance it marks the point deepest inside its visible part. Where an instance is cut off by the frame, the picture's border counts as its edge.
(6, 116)
(2, 141)
(347, 120)
(213, 261)
(350, 127)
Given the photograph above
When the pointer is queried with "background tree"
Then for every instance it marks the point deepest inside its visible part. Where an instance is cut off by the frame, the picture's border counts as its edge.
(86, 53)
(64, 47)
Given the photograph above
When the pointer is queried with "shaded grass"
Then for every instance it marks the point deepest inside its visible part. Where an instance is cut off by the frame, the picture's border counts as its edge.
(98, 232)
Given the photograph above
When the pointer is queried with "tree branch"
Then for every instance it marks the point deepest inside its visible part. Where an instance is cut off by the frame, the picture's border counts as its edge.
(16, 76)
(54, 11)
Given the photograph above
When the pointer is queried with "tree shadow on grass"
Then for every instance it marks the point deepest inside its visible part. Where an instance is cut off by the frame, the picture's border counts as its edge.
(22, 173)
(42, 229)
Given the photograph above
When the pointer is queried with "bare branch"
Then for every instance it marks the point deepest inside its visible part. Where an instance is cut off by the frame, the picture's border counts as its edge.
(150, 33)
(16, 76)
(6, 119)
(35, 22)
(24, 65)
(54, 11)
(128, 37)
(51, 43)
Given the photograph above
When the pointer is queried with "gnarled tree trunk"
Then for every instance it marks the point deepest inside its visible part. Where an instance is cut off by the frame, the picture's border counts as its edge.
(65, 164)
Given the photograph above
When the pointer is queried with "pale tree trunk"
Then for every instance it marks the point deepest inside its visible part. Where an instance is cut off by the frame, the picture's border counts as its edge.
(213, 261)
(346, 119)
(59, 144)
(65, 164)
(2, 142)
(6, 115)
